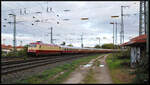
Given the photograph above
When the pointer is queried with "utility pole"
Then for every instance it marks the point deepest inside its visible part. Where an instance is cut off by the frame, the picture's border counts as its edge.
(147, 28)
(116, 32)
(82, 40)
(121, 32)
(142, 18)
(120, 38)
(21, 43)
(4, 41)
(145, 15)
(122, 25)
(15, 33)
(99, 41)
(116, 26)
(14, 40)
(51, 36)
(83, 18)
(113, 31)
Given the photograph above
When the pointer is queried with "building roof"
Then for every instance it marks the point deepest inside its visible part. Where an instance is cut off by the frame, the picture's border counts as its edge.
(6, 46)
(134, 41)
(9, 46)
(19, 47)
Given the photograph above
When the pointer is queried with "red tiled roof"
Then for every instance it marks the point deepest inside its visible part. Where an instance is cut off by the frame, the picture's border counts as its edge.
(136, 40)
(9, 46)
(141, 37)
(19, 47)
(6, 46)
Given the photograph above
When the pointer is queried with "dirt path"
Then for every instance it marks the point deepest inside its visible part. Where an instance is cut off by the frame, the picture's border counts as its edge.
(101, 72)
(77, 76)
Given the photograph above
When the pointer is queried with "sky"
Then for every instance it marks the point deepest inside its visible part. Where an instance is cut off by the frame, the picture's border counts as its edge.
(34, 21)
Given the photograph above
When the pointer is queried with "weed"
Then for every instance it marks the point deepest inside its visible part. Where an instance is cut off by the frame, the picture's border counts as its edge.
(119, 67)
(48, 75)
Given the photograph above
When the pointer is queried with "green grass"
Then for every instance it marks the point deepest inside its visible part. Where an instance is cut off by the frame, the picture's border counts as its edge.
(114, 62)
(48, 76)
(119, 68)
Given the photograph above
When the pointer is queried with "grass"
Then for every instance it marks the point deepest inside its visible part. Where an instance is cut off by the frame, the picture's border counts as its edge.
(50, 76)
(89, 78)
(119, 68)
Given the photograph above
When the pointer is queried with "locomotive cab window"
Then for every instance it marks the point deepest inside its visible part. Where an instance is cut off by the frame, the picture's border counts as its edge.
(32, 45)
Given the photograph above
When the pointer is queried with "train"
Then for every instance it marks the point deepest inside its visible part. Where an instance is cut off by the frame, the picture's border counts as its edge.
(39, 48)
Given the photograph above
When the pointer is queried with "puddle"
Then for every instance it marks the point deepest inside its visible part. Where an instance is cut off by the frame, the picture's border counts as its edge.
(101, 65)
(87, 65)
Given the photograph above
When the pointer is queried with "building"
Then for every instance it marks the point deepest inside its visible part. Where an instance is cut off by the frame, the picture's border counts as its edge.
(19, 48)
(137, 48)
(8, 48)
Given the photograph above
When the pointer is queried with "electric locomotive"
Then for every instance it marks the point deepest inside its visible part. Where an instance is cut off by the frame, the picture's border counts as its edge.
(39, 48)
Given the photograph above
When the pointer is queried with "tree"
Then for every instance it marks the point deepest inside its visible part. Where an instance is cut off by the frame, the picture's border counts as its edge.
(107, 46)
(97, 46)
(63, 43)
(70, 45)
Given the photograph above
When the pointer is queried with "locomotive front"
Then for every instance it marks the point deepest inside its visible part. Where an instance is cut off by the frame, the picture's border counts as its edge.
(33, 48)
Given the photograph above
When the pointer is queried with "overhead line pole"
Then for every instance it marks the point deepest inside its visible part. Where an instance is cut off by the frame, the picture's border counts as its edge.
(14, 35)
(140, 19)
(122, 26)
(99, 41)
(82, 40)
(116, 32)
(113, 33)
(145, 15)
(51, 36)
(147, 27)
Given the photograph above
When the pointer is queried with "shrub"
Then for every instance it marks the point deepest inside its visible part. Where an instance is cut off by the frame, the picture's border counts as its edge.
(142, 70)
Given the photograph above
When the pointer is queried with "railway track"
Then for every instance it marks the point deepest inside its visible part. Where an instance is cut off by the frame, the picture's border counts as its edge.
(27, 60)
(10, 67)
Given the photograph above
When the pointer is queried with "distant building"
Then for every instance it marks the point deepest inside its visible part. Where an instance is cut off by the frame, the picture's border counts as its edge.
(8, 48)
(138, 48)
(18, 48)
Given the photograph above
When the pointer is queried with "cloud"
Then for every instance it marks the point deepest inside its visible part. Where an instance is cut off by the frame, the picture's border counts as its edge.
(98, 12)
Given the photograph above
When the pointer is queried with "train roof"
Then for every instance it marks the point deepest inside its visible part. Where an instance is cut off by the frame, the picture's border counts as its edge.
(80, 48)
(40, 43)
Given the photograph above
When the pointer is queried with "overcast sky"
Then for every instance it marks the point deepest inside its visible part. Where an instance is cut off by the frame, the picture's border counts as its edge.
(70, 31)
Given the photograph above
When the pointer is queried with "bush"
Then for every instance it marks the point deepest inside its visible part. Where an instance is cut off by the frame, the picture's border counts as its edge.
(142, 70)
(97, 46)
(107, 46)
(22, 52)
